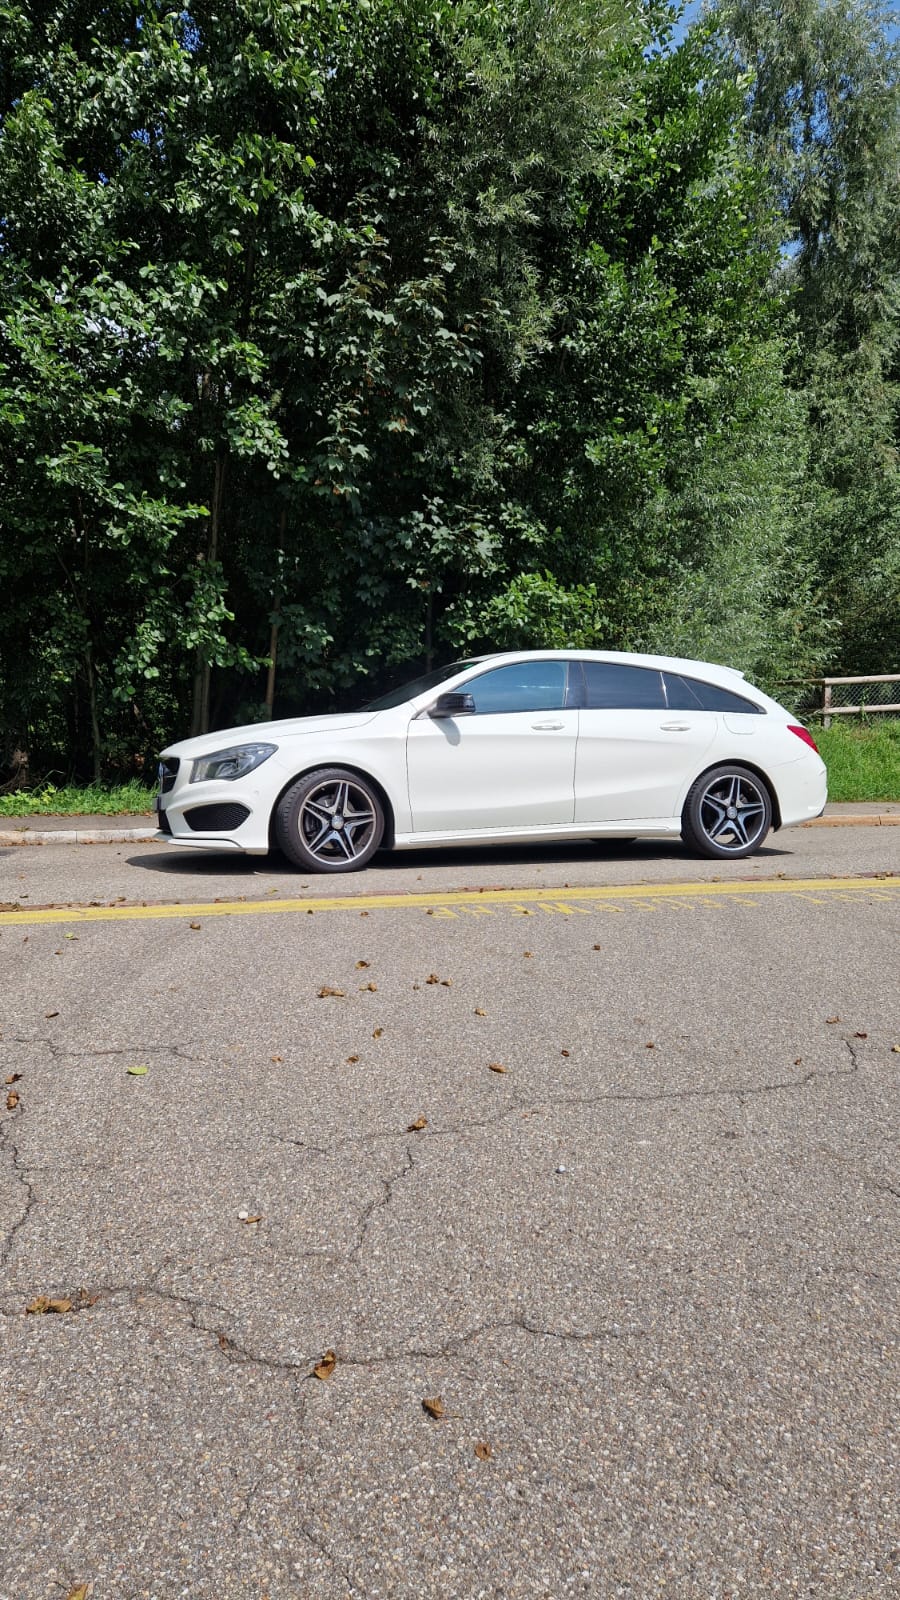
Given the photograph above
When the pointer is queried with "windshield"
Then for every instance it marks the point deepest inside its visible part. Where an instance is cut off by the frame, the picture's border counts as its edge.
(408, 691)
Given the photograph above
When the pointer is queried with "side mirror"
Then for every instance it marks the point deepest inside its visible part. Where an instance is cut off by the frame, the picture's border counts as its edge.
(453, 705)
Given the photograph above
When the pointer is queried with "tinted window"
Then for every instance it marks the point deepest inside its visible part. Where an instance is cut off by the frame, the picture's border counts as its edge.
(691, 694)
(615, 687)
(406, 691)
(523, 686)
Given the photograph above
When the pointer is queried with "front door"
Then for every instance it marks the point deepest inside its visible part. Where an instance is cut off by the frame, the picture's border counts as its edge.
(508, 765)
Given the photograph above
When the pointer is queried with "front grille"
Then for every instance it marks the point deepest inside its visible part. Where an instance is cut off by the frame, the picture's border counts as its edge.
(216, 819)
(163, 823)
(167, 771)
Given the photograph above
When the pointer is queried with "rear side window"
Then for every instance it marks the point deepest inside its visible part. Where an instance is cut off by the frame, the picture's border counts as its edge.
(692, 694)
(522, 686)
(611, 686)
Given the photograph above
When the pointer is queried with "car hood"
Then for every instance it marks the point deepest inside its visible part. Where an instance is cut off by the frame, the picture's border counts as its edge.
(206, 744)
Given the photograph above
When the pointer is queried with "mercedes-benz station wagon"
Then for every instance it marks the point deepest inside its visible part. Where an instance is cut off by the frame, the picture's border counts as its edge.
(526, 746)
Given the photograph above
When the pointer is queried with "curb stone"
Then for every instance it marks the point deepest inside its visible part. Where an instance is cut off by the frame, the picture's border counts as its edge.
(100, 830)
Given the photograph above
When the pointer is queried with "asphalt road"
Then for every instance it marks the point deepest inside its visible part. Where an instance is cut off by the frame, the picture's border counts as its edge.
(647, 1273)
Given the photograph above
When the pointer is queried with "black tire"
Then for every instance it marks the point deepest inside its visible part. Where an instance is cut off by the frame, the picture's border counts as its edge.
(331, 820)
(727, 813)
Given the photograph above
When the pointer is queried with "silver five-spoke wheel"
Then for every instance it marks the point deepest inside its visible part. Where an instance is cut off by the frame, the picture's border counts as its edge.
(329, 821)
(728, 813)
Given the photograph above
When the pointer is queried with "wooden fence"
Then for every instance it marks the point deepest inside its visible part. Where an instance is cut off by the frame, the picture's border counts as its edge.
(836, 692)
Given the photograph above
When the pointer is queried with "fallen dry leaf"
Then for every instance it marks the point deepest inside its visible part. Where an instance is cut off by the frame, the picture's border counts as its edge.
(649, 1045)
(598, 947)
(45, 1303)
(368, 988)
(194, 925)
(325, 993)
(432, 978)
(12, 1100)
(480, 1011)
(418, 1125)
(136, 1072)
(483, 1450)
(527, 952)
(79, 1592)
(276, 1058)
(565, 1052)
(247, 1220)
(798, 1061)
(895, 1048)
(49, 1014)
(71, 936)
(13, 1077)
(860, 1036)
(326, 1366)
(447, 983)
(434, 1407)
(364, 913)
(496, 1066)
(361, 964)
(832, 1019)
(352, 1060)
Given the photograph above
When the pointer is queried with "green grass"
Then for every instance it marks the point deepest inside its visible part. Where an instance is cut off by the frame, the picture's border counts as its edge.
(130, 799)
(863, 759)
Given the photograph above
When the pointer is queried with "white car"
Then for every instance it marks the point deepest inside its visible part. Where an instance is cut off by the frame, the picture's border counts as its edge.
(525, 746)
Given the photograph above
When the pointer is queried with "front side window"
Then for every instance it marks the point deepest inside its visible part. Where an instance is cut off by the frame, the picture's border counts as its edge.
(613, 686)
(522, 686)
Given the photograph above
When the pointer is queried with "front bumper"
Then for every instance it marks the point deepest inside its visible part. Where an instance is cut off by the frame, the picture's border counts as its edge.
(214, 815)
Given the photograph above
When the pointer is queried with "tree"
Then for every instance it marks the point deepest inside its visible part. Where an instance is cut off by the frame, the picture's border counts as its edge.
(823, 122)
(360, 332)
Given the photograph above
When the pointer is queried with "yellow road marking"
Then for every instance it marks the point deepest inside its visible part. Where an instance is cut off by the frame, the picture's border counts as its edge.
(519, 902)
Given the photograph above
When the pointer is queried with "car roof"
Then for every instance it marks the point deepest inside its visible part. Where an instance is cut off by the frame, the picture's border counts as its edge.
(682, 664)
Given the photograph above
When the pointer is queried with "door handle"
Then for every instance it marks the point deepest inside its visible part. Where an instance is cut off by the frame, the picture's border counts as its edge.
(676, 727)
(546, 727)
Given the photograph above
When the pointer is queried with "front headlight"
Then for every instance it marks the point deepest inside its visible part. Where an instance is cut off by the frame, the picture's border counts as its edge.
(232, 763)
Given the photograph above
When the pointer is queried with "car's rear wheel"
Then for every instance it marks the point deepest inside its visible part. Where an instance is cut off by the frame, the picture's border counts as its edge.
(727, 814)
(329, 821)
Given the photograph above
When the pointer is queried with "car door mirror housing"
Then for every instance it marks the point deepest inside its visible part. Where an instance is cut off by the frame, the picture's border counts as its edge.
(453, 705)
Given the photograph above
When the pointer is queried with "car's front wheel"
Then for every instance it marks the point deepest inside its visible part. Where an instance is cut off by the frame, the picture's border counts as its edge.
(727, 814)
(329, 821)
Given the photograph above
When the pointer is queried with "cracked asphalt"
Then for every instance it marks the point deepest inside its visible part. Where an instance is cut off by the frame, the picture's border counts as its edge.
(649, 1269)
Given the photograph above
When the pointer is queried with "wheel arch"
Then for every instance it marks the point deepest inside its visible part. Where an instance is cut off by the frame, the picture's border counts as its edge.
(751, 766)
(387, 842)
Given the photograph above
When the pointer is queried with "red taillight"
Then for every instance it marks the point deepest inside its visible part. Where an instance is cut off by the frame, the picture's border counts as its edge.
(805, 735)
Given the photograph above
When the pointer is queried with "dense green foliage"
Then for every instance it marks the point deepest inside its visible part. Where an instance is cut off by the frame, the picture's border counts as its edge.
(339, 335)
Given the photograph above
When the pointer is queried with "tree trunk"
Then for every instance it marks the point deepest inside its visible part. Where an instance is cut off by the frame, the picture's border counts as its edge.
(276, 623)
(429, 630)
(203, 669)
(95, 720)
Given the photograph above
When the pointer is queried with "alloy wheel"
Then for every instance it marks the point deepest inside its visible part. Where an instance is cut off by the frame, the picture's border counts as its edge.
(337, 821)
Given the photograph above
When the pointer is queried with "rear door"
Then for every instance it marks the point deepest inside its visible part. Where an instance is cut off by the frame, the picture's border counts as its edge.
(635, 751)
